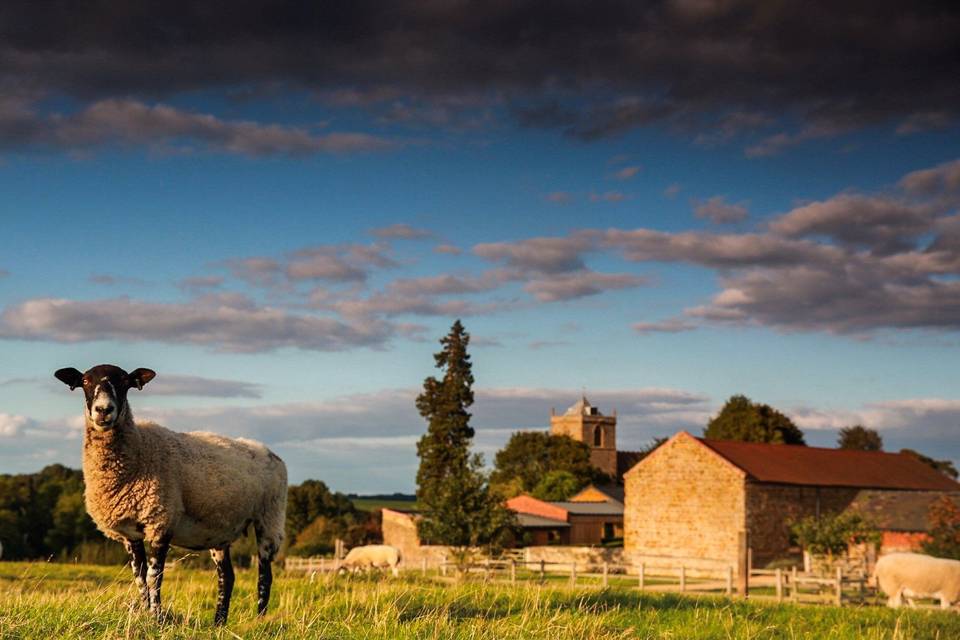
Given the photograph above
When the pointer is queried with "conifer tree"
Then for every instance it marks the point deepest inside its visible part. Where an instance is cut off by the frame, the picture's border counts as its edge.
(453, 491)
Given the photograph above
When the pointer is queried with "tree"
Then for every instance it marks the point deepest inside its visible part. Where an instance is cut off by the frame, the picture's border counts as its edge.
(453, 492)
(859, 438)
(748, 421)
(556, 485)
(530, 455)
(310, 500)
(832, 534)
(944, 518)
(943, 466)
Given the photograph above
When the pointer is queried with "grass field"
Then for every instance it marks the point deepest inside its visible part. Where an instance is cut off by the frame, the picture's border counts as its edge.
(369, 504)
(47, 601)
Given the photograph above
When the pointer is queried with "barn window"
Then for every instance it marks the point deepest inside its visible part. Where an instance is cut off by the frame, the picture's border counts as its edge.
(598, 437)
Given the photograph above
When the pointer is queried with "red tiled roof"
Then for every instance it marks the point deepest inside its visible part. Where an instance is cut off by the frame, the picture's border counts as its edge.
(795, 464)
(528, 504)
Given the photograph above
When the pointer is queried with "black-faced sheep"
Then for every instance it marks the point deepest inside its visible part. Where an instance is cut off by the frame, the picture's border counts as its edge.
(914, 575)
(145, 483)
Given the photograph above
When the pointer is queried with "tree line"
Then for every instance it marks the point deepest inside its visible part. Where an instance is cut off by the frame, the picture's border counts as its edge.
(42, 516)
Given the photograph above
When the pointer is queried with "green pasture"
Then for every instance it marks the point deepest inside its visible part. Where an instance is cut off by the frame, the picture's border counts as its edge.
(54, 601)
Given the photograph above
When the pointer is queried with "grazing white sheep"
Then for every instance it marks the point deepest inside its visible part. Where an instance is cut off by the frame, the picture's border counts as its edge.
(197, 490)
(914, 575)
(375, 556)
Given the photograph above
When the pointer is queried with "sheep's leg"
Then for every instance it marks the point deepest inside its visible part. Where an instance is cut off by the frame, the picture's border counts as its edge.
(221, 558)
(158, 559)
(138, 563)
(266, 550)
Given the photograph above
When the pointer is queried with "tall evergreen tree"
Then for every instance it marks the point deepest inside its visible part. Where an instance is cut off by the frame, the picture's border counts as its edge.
(748, 421)
(453, 492)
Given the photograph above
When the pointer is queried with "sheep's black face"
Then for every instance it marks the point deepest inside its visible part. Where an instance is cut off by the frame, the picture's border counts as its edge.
(105, 389)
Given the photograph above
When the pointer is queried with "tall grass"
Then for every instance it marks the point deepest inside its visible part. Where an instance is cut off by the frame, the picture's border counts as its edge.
(47, 601)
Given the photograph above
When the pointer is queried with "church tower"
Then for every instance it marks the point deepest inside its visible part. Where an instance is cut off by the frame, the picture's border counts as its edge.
(584, 423)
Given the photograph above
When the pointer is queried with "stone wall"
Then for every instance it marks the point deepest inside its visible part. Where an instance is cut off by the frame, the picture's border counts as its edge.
(684, 505)
(400, 531)
(771, 508)
(587, 558)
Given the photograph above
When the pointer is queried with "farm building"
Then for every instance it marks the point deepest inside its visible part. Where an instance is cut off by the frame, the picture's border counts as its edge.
(696, 499)
(591, 517)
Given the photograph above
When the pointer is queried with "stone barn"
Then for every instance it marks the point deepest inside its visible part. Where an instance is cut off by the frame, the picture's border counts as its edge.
(694, 499)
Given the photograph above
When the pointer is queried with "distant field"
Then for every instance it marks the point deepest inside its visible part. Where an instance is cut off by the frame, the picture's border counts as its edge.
(369, 504)
(50, 601)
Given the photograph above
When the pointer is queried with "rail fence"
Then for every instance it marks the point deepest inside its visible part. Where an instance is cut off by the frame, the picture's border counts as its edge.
(780, 585)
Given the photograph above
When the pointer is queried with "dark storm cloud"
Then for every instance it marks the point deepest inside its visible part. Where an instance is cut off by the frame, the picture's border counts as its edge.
(591, 69)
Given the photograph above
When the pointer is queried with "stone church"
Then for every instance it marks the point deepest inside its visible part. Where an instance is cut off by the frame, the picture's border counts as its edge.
(584, 423)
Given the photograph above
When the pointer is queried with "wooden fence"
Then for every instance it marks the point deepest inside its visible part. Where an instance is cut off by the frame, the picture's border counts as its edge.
(786, 585)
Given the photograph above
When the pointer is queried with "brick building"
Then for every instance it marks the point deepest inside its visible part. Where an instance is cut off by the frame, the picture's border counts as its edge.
(695, 499)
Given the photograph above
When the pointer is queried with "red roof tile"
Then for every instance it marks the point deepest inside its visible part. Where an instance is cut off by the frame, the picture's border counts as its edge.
(794, 464)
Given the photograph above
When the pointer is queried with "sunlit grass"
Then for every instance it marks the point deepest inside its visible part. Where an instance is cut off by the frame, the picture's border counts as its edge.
(47, 601)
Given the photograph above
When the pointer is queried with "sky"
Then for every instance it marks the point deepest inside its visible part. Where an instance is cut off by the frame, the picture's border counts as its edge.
(280, 208)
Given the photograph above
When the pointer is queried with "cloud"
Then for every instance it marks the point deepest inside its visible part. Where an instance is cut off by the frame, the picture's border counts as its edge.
(926, 121)
(130, 122)
(609, 196)
(718, 211)
(12, 426)
(184, 385)
(543, 255)
(628, 173)
(721, 251)
(4, 273)
(579, 284)
(884, 224)
(929, 425)
(448, 249)
(595, 71)
(671, 191)
(559, 197)
(401, 232)
(671, 325)
(941, 181)
(228, 323)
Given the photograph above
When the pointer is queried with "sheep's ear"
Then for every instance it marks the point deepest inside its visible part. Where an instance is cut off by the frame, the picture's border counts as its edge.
(70, 377)
(140, 377)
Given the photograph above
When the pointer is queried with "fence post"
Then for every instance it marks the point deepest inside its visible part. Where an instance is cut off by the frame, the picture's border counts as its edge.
(423, 565)
(606, 571)
(683, 578)
(743, 564)
(641, 574)
(323, 562)
(486, 573)
(543, 573)
(729, 581)
(573, 574)
(779, 585)
(839, 595)
(794, 585)
(513, 571)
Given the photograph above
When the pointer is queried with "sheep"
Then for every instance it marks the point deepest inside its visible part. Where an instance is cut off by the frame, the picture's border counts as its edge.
(198, 490)
(914, 575)
(375, 556)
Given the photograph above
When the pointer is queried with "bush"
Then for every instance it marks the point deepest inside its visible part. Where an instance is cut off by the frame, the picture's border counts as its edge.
(944, 539)
(833, 533)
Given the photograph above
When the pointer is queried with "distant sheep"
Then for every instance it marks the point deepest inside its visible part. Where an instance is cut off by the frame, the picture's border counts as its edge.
(374, 556)
(197, 490)
(914, 575)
